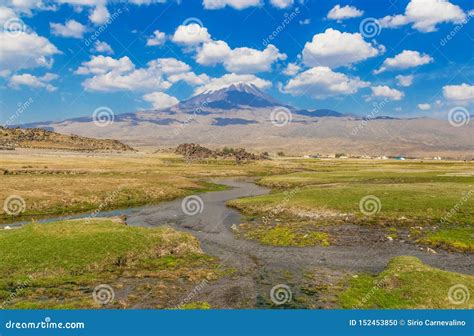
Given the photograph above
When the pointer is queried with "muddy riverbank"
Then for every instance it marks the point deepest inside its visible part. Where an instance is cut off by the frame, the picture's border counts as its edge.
(258, 267)
(311, 273)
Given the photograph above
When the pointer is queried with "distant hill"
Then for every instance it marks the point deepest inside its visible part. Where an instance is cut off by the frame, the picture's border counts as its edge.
(36, 138)
(241, 115)
(320, 113)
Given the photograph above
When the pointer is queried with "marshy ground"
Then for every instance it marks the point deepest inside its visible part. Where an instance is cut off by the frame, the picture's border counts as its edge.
(289, 221)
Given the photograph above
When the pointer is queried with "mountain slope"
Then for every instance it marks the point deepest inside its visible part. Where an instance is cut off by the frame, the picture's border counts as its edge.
(243, 116)
(231, 97)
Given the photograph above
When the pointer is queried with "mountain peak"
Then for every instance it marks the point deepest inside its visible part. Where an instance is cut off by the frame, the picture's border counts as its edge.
(240, 87)
(234, 96)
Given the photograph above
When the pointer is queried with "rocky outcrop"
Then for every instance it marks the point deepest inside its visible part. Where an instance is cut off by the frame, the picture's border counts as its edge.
(37, 138)
(193, 151)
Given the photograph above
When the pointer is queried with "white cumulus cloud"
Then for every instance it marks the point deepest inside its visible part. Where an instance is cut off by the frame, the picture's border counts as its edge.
(406, 59)
(238, 60)
(236, 4)
(213, 52)
(6, 14)
(334, 48)
(103, 64)
(248, 60)
(341, 13)
(292, 69)
(16, 81)
(71, 28)
(425, 15)
(463, 93)
(191, 34)
(387, 92)
(424, 106)
(322, 82)
(110, 74)
(282, 3)
(189, 77)
(103, 47)
(160, 100)
(24, 51)
(99, 15)
(157, 39)
(405, 81)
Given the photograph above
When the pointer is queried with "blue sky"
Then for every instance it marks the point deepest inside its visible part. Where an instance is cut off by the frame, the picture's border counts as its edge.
(69, 57)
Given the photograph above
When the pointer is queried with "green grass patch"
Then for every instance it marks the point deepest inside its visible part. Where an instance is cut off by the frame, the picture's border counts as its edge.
(327, 172)
(422, 203)
(458, 239)
(407, 283)
(284, 235)
(56, 265)
(196, 305)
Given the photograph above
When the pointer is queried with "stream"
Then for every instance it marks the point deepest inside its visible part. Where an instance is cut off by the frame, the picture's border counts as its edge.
(258, 268)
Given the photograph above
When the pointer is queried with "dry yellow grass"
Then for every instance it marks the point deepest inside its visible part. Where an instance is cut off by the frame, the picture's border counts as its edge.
(54, 183)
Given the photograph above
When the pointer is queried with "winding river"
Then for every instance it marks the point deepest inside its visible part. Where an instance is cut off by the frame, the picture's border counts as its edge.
(259, 267)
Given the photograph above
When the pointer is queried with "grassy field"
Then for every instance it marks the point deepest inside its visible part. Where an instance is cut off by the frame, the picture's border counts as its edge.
(62, 184)
(433, 202)
(408, 283)
(58, 265)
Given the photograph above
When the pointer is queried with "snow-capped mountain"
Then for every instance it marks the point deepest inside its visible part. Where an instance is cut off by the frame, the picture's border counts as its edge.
(242, 115)
(235, 96)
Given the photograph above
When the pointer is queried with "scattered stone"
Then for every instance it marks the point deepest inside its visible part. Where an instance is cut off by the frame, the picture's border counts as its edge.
(123, 218)
(389, 238)
(7, 228)
(430, 250)
(234, 227)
